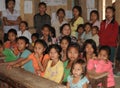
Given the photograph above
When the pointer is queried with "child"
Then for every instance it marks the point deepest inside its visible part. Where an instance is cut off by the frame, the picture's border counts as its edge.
(59, 21)
(65, 30)
(95, 36)
(22, 43)
(41, 18)
(38, 57)
(80, 30)
(102, 64)
(89, 50)
(7, 53)
(34, 37)
(76, 20)
(77, 78)
(87, 33)
(24, 30)
(46, 34)
(64, 43)
(94, 18)
(72, 55)
(12, 43)
(55, 69)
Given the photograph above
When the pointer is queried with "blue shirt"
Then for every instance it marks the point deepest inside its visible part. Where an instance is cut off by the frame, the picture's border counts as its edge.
(79, 84)
(28, 66)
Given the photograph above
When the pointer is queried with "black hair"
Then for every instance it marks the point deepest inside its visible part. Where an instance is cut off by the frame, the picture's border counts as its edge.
(12, 31)
(52, 30)
(57, 48)
(1, 43)
(92, 43)
(7, 1)
(42, 3)
(95, 12)
(46, 25)
(111, 8)
(79, 9)
(95, 27)
(82, 63)
(60, 9)
(42, 42)
(87, 23)
(106, 48)
(66, 38)
(24, 22)
(80, 26)
(61, 28)
(24, 39)
(35, 35)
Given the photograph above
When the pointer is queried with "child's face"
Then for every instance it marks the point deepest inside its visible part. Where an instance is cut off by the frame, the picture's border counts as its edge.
(73, 53)
(75, 12)
(66, 30)
(80, 30)
(33, 38)
(109, 13)
(103, 55)
(93, 17)
(77, 70)
(23, 27)
(45, 31)
(11, 5)
(39, 48)
(61, 14)
(94, 31)
(87, 28)
(42, 9)
(64, 44)
(89, 49)
(53, 54)
(21, 45)
(11, 36)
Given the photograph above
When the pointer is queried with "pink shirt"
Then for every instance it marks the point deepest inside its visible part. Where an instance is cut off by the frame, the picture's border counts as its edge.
(101, 66)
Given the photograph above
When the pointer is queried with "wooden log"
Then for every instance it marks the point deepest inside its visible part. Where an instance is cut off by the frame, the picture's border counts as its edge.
(19, 78)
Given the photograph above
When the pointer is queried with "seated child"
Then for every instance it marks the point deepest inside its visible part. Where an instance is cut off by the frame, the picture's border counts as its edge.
(11, 43)
(55, 69)
(77, 78)
(102, 64)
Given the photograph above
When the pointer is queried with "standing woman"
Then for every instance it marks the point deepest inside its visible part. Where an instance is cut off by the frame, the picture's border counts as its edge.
(59, 21)
(109, 31)
(11, 18)
(76, 20)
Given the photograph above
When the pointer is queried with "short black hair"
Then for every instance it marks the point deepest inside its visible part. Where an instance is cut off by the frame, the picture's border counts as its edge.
(80, 25)
(61, 28)
(1, 43)
(111, 7)
(24, 39)
(42, 3)
(7, 1)
(79, 9)
(35, 35)
(24, 22)
(46, 25)
(60, 9)
(95, 27)
(95, 12)
(87, 23)
(12, 31)
(66, 38)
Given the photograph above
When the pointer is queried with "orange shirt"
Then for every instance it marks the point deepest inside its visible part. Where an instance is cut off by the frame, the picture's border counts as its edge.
(35, 63)
(13, 47)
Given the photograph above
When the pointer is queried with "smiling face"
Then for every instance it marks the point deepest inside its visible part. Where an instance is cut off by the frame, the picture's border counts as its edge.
(103, 55)
(42, 9)
(23, 27)
(66, 30)
(11, 5)
(12, 36)
(89, 49)
(21, 44)
(39, 48)
(64, 44)
(54, 55)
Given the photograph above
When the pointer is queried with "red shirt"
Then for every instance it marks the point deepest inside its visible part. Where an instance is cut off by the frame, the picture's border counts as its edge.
(108, 35)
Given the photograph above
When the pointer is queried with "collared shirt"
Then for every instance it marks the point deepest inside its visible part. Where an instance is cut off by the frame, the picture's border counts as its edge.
(40, 20)
(10, 16)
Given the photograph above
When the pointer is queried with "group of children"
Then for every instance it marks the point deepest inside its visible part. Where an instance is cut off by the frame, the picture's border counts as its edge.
(64, 52)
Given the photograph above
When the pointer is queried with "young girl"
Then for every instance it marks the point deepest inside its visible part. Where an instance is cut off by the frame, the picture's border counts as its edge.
(72, 55)
(22, 44)
(24, 30)
(64, 43)
(38, 57)
(76, 20)
(12, 43)
(55, 69)
(59, 21)
(77, 78)
(65, 30)
(89, 49)
(102, 64)
(46, 34)
(87, 33)
(94, 18)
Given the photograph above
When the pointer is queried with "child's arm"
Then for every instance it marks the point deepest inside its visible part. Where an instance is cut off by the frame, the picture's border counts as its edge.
(68, 85)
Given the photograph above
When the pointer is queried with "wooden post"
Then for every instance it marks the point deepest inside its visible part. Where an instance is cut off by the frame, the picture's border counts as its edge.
(117, 13)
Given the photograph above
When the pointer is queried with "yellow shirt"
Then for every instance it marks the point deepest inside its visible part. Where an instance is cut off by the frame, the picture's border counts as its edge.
(75, 25)
(54, 73)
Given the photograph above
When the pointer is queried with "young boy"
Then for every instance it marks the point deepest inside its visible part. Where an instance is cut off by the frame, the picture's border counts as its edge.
(41, 18)
(95, 36)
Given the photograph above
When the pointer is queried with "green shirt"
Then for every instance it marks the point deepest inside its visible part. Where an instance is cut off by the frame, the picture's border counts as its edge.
(9, 55)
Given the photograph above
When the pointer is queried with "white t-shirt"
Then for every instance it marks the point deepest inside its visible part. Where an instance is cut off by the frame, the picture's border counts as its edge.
(26, 34)
(10, 16)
